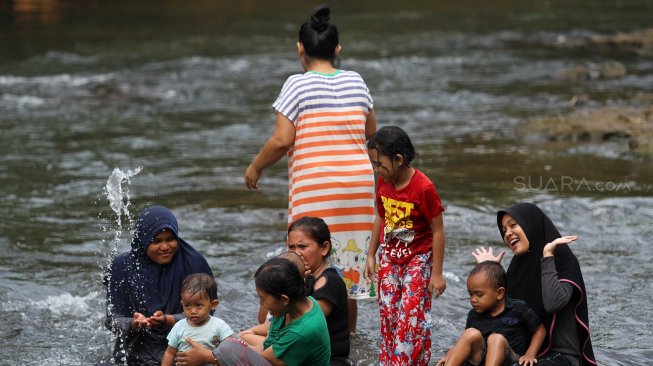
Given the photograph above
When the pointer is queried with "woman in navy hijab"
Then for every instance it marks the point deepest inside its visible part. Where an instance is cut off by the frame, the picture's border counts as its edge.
(143, 288)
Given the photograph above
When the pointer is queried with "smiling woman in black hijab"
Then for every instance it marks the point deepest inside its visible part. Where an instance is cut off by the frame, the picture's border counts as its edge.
(546, 274)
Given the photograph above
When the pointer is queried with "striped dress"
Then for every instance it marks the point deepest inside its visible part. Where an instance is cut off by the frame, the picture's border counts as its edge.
(329, 171)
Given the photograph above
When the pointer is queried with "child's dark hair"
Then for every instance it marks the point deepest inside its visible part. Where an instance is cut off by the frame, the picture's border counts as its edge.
(318, 36)
(391, 141)
(493, 271)
(196, 283)
(315, 228)
(279, 276)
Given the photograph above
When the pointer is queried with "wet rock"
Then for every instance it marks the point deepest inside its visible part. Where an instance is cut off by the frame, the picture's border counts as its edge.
(611, 70)
(637, 41)
(592, 71)
(632, 126)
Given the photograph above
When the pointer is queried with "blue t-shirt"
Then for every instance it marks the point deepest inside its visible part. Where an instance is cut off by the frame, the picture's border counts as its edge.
(210, 334)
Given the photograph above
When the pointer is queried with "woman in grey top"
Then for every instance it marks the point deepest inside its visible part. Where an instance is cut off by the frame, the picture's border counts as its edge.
(546, 274)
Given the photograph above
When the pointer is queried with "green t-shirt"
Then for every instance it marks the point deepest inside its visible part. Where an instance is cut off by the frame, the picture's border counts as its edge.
(305, 341)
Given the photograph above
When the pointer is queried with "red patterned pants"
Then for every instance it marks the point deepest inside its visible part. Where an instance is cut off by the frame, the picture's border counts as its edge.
(405, 306)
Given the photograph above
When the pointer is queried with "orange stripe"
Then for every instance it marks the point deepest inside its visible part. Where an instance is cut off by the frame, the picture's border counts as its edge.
(305, 145)
(329, 124)
(335, 134)
(320, 164)
(326, 154)
(339, 228)
(331, 114)
(331, 212)
(334, 197)
(316, 187)
(340, 173)
(354, 226)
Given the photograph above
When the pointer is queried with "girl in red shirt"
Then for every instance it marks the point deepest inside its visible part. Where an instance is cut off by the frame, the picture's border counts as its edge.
(409, 215)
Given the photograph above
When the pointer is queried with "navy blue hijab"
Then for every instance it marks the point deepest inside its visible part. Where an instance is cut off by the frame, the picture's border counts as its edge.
(137, 284)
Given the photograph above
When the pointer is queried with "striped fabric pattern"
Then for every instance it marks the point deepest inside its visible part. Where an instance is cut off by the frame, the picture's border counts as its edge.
(329, 171)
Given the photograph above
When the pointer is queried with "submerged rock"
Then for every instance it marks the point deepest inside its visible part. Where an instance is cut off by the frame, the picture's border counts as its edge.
(594, 71)
(631, 126)
(637, 41)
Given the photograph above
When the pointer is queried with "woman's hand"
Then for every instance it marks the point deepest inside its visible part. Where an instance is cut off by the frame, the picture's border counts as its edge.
(282, 139)
(158, 320)
(527, 360)
(551, 247)
(139, 321)
(252, 175)
(370, 269)
(443, 360)
(481, 255)
(307, 270)
(437, 285)
(198, 355)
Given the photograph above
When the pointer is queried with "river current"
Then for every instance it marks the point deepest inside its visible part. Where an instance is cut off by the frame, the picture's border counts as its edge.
(177, 97)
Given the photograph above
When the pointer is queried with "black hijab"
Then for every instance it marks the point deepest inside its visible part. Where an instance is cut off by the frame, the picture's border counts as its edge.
(524, 273)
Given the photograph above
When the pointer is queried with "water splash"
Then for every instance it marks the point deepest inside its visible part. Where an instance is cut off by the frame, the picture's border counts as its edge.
(119, 197)
(117, 191)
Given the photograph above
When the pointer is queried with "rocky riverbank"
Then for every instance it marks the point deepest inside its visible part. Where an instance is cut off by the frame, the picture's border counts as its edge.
(630, 126)
(627, 122)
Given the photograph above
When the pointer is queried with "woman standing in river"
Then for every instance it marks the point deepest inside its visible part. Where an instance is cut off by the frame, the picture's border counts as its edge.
(323, 119)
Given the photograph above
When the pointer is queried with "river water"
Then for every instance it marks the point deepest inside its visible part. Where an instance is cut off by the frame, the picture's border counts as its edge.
(182, 91)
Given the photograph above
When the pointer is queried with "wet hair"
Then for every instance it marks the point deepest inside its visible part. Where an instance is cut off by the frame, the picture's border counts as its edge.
(203, 283)
(279, 276)
(391, 141)
(318, 36)
(315, 228)
(493, 272)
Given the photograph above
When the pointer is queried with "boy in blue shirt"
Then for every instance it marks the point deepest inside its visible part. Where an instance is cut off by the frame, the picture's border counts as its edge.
(199, 298)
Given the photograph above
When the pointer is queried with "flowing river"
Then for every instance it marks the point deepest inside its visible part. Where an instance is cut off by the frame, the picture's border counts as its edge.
(109, 106)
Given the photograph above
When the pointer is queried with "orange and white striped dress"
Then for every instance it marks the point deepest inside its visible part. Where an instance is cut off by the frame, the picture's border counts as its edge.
(329, 170)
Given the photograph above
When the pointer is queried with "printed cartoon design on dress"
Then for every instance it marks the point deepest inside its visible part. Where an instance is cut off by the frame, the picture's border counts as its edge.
(349, 261)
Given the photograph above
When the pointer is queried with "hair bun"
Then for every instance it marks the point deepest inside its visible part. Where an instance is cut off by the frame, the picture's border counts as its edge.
(320, 18)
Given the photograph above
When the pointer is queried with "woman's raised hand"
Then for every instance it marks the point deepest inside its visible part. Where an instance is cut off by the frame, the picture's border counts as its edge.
(551, 247)
(481, 255)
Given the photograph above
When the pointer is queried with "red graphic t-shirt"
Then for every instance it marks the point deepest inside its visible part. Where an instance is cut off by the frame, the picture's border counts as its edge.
(406, 217)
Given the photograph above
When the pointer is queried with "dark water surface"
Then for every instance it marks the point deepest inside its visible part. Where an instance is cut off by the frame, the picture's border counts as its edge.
(183, 90)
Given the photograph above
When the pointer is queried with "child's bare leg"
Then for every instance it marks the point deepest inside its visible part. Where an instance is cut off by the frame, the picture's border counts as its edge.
(469, 347)
(496, 346)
